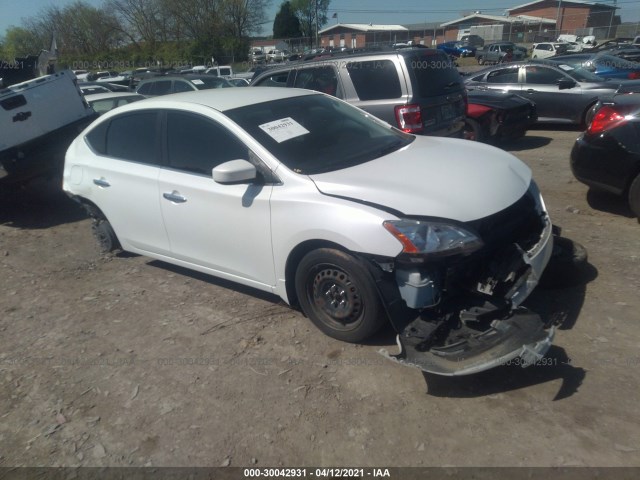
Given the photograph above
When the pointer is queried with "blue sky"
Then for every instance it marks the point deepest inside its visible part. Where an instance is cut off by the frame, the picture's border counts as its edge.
(349, 11)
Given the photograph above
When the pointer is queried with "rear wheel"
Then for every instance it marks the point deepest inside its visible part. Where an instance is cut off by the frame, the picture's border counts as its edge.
(337, 293)
(105, 236)
(634, 196)
(473, 130)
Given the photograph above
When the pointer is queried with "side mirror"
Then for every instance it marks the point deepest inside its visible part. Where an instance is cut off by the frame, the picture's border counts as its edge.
(565, 83)
(234, 171)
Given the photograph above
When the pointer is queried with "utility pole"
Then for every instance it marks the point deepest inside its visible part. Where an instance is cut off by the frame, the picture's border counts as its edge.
(559, 19)
(317, 44)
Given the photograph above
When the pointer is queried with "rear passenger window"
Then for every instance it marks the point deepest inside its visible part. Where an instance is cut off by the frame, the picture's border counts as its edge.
(97, 138)
(321, 79)
(375, 80)
(276, 80)
(179, 86)
(197, 144)
(145, 89)
(162, 87)
(133, 137)
(504, 75)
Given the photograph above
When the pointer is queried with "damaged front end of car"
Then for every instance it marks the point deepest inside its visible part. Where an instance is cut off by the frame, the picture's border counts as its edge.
(454, 293)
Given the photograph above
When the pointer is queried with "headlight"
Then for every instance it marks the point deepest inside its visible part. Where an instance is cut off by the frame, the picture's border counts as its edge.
(439, 239)
(537, 196)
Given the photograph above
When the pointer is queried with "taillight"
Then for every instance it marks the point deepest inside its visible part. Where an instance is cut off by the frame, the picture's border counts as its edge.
(409, 118)
(604, 119)
(634, 75)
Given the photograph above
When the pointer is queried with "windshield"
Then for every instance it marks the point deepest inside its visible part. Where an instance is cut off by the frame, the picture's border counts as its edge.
(579, 73)
(316, 133)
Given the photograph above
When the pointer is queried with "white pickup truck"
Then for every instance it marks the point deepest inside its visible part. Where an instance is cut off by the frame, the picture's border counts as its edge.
(226, 71)
(39, 118)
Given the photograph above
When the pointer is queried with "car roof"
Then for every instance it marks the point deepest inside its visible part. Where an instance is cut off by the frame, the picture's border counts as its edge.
(104, 96)
(219, 99)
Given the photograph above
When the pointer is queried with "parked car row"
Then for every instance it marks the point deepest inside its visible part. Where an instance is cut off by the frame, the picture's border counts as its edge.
(562, 93)
(502, 101)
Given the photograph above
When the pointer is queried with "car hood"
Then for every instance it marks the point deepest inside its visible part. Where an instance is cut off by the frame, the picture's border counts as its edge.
(436, 177)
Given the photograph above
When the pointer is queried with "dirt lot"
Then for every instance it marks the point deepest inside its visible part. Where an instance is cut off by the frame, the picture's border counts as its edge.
(122, 360)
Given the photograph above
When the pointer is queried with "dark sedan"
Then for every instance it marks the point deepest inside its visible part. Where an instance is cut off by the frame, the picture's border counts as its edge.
(497, 116)
(607, 156)
(562, 93)
(603, 65)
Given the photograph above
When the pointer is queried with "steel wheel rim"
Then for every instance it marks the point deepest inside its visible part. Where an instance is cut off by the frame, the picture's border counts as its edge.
(335, 296)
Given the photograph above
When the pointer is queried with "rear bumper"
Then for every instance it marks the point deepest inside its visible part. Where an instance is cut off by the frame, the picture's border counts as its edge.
(604, 166)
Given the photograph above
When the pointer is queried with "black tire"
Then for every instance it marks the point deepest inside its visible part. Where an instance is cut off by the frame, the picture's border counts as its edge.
(105, 236)
(337, 293)
(480, 60)
(634, 196)
(567, 265)
(473, 130)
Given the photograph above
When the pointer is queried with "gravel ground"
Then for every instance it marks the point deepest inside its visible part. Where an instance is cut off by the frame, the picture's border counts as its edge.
(126, 361)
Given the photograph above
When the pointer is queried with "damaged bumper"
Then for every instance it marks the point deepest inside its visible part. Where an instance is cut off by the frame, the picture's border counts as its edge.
(519, 339)
(483, 326)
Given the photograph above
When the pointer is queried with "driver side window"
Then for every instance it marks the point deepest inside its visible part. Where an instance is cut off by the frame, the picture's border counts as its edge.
(197, 144)
(542, 75)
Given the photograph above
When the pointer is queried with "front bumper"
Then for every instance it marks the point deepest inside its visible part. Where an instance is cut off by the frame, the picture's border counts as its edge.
(479, 332)
(518, 340)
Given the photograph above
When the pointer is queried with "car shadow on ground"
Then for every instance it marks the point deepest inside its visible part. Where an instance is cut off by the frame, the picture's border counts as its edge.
(40, 204)
(609, 203)
(556, 365)
(530, 142)
(219, 282)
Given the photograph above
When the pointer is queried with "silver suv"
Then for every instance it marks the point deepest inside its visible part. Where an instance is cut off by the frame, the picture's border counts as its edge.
(415, 89)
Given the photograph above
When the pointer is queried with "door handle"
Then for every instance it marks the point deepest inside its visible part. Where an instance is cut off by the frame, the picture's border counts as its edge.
(531, 90)
(101, 182)
(174, 197)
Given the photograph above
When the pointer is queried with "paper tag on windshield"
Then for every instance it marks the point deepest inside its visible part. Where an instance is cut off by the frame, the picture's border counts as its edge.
(197, 81)
(283, 129)
(568, 68)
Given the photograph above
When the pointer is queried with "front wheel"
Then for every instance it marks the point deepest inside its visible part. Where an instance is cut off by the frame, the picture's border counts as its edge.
(480, 61)
(337, 293)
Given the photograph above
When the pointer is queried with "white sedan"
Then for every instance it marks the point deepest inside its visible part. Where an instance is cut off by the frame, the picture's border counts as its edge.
(358, 224)
(106, 101)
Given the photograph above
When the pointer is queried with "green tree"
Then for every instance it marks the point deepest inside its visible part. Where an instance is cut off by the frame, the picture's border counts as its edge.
(286, 24)
(19, 42)
(312, 15)
(242, 17)
(140, 20)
